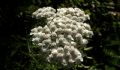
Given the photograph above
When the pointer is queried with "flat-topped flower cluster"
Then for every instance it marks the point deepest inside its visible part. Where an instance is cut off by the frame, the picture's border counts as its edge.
(65, 32)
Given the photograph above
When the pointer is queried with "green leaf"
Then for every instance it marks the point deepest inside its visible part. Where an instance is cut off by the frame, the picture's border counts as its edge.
(88, 48)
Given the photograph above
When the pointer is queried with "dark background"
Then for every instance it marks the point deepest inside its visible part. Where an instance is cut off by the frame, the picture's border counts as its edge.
(16, 23)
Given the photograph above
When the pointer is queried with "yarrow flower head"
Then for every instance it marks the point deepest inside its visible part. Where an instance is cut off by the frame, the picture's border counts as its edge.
(65, 32)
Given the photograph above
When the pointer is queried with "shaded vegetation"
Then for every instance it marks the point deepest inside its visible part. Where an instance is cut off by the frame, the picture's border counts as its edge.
(16, 22)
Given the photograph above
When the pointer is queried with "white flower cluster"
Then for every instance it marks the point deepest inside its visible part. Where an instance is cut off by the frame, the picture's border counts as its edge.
(64, 33)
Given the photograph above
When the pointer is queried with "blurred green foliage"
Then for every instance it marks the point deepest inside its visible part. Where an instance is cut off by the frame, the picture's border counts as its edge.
(102, 53)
